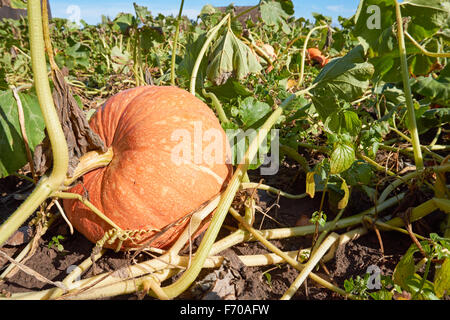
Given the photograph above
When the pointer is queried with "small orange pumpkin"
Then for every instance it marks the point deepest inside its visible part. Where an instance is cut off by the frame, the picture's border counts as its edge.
(143, 188)
(316, 55)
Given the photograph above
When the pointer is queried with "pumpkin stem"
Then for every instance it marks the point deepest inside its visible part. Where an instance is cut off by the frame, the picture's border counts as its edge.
(88, 162)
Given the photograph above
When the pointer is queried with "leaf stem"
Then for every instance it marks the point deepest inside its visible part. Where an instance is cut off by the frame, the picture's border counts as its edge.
(424, 148)
(418, 159)
(87, 203)
(326, 230)
(375, 164)
(409, 176)
(47, 40)
(175, 43)
(316, 231)
(245, 12)
(88, 162)
(220, 112)
(202, 52)
(424, 279)
(425, 51)
(305, 46)
(251, 185)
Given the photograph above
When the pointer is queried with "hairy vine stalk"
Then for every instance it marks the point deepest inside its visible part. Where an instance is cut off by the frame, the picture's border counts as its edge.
(407, 89)
(425, 51)
(48, 184)
(309, 266)
(305, 46)
(212, 34)
(175, 43)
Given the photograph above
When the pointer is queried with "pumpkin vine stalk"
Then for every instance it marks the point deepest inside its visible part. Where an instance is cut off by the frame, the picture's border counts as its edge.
(305, 46)
(175, 43)
(412, 126)
(212, 34)
(48, 184)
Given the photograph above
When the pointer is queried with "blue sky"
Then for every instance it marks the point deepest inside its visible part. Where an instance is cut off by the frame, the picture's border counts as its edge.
(91, 10)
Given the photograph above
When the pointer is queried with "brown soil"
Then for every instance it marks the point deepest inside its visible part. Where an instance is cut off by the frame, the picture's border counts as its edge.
(351, 259)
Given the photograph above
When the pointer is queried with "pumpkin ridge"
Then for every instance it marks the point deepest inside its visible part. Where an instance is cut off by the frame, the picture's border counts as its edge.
(105, 113)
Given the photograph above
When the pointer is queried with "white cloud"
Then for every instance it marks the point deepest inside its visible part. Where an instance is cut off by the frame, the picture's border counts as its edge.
(339, 9)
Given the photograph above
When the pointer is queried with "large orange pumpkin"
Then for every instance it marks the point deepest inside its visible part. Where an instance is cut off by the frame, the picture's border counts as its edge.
(146, 187)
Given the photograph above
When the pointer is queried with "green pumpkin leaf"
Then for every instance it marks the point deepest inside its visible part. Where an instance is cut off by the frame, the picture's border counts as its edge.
(374, 22)
(230, 90)
(120, 59)
(12, 148)
(345, 78)
(344, 121)
(342, 158)
(405, 268)
(194, 45)
(360, 173)
(273, 13)
(231, 57)
(371, 18)
(141, 12)
(438, 90)
(123, 21)
(442, 279)
(252, 110)
(427, 16)
(149, 35)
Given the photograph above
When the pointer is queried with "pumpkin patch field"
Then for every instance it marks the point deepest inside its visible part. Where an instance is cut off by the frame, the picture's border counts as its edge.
(249, 154)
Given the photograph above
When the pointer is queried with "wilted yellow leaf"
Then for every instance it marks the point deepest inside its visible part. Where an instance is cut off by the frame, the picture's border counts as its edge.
(344, 201)
(310, 184)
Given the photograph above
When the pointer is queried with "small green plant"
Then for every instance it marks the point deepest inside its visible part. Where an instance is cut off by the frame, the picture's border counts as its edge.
(436, 251)
(319, 217)
(268, 278)
(361, 290)
(55, 243)
(357, 286)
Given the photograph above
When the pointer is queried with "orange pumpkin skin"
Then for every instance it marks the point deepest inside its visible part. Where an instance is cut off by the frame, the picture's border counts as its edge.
(316, 55)
(143, 188)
